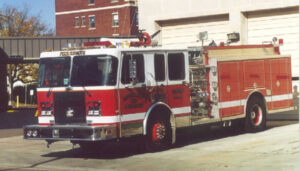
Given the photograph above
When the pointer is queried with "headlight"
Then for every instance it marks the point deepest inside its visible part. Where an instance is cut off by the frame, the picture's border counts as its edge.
(29, 133)
(46, 108)
(35, 133)
(94, 108)
(46, 112)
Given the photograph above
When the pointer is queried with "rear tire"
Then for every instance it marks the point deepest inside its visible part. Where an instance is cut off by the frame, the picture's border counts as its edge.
(255, 115)
(159, 134)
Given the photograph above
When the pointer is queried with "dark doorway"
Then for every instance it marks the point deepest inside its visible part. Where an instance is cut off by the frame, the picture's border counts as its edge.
(3, 82)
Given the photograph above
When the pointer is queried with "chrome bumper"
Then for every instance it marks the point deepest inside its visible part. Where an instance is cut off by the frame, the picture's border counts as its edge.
(70, 132)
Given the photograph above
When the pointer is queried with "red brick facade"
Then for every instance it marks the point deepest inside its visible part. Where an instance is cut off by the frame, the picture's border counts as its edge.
(103, 10)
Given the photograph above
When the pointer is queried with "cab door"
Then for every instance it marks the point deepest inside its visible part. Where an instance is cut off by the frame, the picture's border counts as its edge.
(178, 79)
(159, 92)
(135, 99)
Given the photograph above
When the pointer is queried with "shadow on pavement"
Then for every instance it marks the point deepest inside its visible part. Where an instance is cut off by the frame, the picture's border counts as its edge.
(133, 146)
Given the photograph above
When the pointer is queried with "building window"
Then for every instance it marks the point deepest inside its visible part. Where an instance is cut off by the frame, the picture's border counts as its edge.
(83, 21)
(92, 22)
(91, 2)
(136, 17)
(115, 18)
(76, 21)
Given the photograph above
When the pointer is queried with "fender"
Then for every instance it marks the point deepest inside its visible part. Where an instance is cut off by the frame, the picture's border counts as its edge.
(250, 95)
(172, 119)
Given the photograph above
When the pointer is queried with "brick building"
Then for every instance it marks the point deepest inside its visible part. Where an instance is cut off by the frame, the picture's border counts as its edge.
(96, 17)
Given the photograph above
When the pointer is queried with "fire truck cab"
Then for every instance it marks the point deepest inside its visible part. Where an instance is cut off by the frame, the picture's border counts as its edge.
(87, 95)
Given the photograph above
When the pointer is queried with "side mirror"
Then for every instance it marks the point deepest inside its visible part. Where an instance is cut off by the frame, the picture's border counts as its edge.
(132, 71)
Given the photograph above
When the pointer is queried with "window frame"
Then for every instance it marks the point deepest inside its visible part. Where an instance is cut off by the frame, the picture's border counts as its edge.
(164, 65)
(113, 19)
(83, 24)
(137, 17)
(92, 16)
(117, 63)
(77, 22)
(122, 69)
(183, 65)
(91, 3)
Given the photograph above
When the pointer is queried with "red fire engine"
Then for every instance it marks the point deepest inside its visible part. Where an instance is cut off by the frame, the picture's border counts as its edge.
(96, 94)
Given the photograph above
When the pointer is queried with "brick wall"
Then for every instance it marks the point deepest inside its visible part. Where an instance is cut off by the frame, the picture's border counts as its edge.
(65, 23)
(70, 5)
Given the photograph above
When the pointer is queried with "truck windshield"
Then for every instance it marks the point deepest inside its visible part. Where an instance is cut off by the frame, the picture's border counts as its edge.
(94, 70)
(54, 72)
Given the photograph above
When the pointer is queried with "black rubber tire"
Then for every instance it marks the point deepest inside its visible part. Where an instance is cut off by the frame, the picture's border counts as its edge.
(255, 115)
(159, 144)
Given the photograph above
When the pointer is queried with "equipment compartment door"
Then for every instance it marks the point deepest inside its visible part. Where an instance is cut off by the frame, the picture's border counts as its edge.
(229, 89)
(281, 82)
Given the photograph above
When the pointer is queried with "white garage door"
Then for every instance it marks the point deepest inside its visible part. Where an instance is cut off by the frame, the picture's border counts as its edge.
(284, 23)
(184, 33)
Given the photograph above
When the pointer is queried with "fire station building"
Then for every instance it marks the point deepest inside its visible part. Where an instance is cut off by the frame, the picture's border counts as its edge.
(257, 21)
(96, 17)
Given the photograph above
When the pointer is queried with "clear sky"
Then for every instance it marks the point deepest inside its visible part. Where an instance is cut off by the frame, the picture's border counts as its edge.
(43, 8)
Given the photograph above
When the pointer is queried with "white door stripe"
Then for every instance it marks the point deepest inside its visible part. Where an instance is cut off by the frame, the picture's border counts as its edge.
(181, 110)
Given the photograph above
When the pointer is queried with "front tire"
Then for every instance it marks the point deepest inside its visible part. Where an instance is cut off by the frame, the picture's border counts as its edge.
(255, 115)
(159, 134)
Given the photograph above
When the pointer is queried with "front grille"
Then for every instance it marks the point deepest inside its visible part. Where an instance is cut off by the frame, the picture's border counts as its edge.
(69, 108)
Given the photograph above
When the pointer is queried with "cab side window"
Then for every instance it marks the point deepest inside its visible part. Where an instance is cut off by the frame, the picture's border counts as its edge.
(140, 68)
(159, 66)
(176, 66)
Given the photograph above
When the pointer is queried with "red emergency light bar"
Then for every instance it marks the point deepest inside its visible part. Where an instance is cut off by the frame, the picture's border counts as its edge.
(94, 44)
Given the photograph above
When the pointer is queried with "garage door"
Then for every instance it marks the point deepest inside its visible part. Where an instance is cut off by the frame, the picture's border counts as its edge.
(283, 23)
(184, 32)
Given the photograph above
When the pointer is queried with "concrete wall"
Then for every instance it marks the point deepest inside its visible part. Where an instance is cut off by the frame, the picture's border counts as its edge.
(153, 11)
(158, 14)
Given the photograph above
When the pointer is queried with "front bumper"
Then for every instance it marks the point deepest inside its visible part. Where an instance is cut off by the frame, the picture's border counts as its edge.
(70, 132)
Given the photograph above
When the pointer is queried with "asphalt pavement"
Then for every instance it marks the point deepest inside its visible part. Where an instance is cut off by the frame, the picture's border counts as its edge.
(12, 122)
(208, 149)
(17, 118)
(219, 149)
